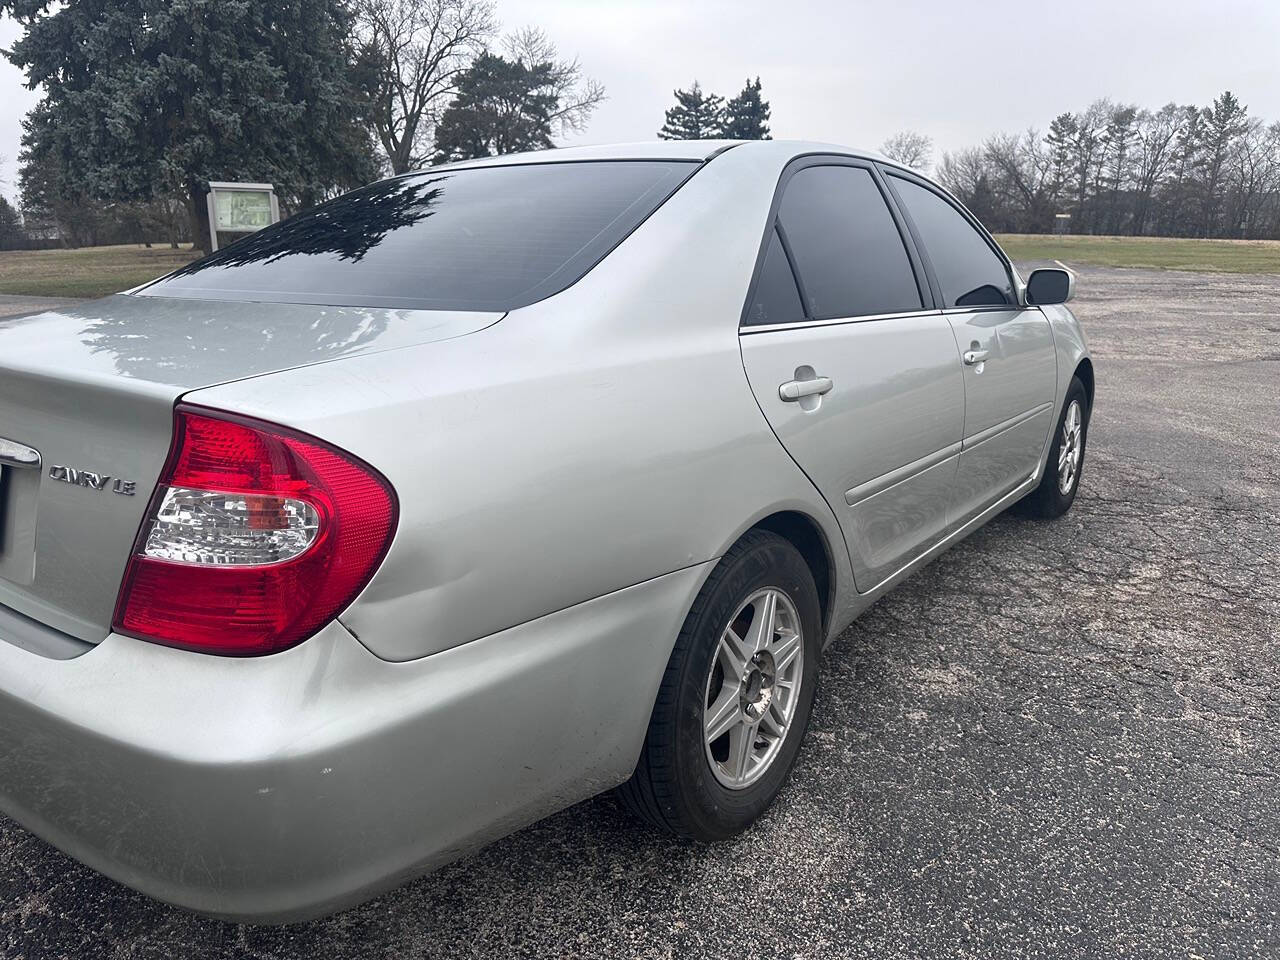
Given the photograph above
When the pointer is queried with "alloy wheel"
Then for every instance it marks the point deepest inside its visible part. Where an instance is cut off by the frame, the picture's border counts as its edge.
(1071, 449)
(753, 688)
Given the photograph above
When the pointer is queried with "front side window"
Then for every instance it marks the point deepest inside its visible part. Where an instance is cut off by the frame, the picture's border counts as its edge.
(968, 270)
(485, 238)
(847, 248)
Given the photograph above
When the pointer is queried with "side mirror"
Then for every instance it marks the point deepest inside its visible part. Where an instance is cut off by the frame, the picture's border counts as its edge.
(1050, 285)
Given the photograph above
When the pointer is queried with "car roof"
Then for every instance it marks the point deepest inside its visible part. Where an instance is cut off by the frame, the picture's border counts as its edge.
(696, 150)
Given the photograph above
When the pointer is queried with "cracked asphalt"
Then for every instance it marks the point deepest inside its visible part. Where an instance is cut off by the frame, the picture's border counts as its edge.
(1059, 740)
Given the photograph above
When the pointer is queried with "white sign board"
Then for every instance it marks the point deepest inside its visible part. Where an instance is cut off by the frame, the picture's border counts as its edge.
(241, 208)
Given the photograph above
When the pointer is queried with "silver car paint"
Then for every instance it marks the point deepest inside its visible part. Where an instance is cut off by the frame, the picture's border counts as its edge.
(604, 408)
(93, 387)
(882, 446)
(278, 788)
(1009, 405)
(618, 412)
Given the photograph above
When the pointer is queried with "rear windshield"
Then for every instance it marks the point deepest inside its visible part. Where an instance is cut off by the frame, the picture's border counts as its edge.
(488, 238)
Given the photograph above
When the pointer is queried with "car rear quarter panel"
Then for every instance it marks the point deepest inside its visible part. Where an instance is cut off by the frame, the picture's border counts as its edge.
(583, 444)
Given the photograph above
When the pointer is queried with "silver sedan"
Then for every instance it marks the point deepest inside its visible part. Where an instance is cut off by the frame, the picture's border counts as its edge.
(478, 491)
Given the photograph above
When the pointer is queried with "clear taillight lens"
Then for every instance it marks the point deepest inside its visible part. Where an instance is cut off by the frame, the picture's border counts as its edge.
(257, 537)
(235, 529)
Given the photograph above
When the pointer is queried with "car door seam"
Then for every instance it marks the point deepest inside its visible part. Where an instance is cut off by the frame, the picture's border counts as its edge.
(746, 379)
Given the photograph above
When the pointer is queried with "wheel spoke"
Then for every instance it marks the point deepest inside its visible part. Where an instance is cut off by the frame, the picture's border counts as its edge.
(785, 652)
(1069, 448)
(736, 652)
(773, 724)
(761, 633)
(741, 739)
(723, 714)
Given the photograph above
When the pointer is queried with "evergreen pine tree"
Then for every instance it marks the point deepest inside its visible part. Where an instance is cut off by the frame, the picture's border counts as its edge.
(696, 116)
(1060, 142)
(1222, 125)
(502, 106)
(145, 100)
(747, 115)
(10, 225)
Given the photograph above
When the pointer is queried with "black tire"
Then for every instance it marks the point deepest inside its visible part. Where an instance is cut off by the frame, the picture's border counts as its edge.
(673, 786)
(1048, 500)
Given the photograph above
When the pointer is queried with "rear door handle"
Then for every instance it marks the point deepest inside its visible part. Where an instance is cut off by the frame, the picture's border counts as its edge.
(794, 390)
(972, 357)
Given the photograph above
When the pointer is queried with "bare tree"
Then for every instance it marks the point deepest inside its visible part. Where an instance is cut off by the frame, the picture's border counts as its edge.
(1026, 169)
(909, 148)
(1116, 165)
(576, 95)
(1089, 146)
(1176, 171)
(411, 54)
(1157, 134)
(1253, 176)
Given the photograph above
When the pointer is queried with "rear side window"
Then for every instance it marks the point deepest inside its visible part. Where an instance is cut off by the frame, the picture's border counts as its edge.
(968, 270)
(776, 300)
(848, 252)
(489, 238)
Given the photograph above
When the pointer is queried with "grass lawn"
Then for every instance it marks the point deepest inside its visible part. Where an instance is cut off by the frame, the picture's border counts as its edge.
(88, 271)
(1163, 253)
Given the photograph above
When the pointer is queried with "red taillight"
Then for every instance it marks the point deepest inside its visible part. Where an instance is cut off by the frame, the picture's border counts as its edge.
(257, 536)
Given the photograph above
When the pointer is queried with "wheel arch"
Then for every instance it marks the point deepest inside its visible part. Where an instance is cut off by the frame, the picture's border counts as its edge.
(804, 533)
(1084, 371)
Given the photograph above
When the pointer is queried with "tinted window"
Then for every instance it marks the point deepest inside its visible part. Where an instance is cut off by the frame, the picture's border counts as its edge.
(491, 238)
(847, 248)
(776, 300)
(968, 270)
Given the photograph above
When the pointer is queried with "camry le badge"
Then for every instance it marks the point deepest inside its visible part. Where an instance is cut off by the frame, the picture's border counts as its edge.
(94, 481)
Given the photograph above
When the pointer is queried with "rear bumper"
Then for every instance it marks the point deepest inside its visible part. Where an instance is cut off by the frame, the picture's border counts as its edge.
(283, 787)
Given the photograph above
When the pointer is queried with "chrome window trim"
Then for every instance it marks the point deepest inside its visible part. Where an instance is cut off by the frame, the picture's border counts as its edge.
(985, 308)
(835, 321)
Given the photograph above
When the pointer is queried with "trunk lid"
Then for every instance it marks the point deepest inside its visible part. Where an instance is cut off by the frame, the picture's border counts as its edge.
(92, 389)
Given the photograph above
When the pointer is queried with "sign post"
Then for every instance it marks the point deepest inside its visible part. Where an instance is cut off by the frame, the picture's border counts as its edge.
(241, 208)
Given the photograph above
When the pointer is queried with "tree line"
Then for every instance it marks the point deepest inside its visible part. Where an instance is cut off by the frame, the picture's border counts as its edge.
(143, 102)
(1119, 169)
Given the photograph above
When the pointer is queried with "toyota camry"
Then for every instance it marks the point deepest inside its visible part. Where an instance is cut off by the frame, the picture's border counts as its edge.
(475, 492)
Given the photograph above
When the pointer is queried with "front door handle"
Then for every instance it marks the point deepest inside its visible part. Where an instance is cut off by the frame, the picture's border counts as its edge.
(972, 357)
(794, 390)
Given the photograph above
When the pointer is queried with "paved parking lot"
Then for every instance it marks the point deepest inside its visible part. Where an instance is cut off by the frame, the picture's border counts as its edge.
(1060, 740)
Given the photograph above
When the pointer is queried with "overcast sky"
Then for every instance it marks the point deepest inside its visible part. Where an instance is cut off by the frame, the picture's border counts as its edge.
(856, 72)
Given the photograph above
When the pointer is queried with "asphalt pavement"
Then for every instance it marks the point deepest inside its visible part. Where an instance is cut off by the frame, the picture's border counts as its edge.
(1059, 740)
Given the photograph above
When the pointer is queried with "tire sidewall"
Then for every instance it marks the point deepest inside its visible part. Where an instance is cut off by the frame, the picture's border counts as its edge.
(716, 810)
